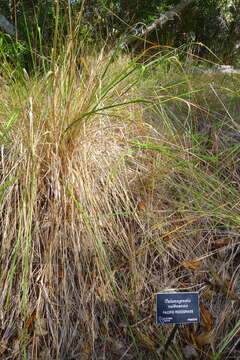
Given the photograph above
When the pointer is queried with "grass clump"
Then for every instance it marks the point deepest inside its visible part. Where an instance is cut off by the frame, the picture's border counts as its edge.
(118, 181)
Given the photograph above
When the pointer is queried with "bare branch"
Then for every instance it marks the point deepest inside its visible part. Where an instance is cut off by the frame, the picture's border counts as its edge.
(224, 69)
(7, 26)
(165, 17)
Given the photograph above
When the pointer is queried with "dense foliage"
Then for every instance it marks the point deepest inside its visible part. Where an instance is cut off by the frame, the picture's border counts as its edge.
(215, 23)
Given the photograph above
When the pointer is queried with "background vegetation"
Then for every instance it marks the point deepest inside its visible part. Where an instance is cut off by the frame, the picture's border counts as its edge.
(119, 178)
(215, 23)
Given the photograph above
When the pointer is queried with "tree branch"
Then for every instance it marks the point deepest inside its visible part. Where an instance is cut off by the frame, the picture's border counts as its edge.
(224, 69)
(7, 26)
(165, 17)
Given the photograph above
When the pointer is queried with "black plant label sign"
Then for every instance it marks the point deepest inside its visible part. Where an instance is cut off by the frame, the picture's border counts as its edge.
(178, 308)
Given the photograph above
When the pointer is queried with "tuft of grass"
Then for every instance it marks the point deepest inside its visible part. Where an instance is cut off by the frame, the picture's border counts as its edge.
(118, 180)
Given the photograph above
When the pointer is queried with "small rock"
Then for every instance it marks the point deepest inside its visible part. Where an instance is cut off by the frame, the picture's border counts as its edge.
(189, 352)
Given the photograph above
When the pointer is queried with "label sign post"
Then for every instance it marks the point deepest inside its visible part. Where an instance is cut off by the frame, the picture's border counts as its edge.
(177, 308)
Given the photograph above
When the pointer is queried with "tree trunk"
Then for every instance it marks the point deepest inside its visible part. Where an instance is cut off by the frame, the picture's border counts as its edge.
(163, 19)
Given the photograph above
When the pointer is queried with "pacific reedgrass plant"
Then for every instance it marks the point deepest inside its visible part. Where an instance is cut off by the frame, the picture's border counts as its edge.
(119, 179)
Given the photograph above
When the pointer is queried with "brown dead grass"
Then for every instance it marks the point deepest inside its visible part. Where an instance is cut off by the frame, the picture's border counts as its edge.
(92, 226)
